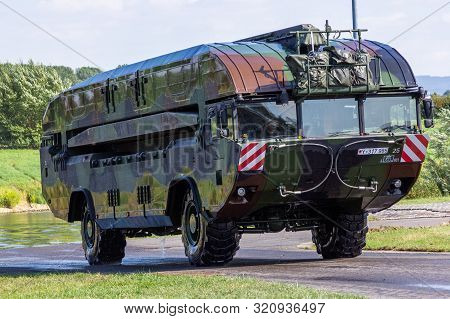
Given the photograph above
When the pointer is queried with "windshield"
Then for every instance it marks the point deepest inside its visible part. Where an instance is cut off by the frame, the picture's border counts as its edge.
(330, 117)
(390, 114)
(264, 120)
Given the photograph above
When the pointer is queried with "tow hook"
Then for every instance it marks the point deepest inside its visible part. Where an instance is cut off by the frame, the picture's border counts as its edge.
(285, 193)
(373, 187)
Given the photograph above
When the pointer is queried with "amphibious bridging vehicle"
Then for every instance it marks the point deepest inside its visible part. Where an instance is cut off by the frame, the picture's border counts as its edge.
(291, 130)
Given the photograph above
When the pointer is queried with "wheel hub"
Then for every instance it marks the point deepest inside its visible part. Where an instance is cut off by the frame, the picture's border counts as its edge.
(193, 224)
(89, 230)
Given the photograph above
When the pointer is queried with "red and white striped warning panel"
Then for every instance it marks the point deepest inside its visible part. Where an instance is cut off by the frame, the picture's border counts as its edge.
(252, 157)
(415, 148)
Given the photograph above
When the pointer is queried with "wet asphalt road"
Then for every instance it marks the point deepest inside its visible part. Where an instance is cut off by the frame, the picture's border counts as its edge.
(269, 256)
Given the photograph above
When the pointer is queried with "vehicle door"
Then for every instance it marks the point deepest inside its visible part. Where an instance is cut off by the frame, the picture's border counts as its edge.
(221, 150)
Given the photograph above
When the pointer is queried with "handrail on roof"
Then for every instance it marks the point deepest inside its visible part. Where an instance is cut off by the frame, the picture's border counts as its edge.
(327, 31)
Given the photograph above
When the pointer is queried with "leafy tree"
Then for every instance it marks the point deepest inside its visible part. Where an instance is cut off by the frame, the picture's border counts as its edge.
(25, 90)
(441, 101)
(67, 75)
(86, 72)
(439, 151)
(435, 174)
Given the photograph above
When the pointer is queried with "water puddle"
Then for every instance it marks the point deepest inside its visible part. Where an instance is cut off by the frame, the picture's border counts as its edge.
(35, 229)
(433, 286)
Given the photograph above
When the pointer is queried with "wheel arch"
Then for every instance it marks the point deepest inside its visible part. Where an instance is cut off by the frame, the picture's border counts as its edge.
(177, 188)
(75, 204)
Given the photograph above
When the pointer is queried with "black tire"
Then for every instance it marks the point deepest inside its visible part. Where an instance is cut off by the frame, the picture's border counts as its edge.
(206, 244)
(333, 242)
(100, 246)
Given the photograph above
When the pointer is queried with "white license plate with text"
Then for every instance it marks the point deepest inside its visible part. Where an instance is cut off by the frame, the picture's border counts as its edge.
(373, 151)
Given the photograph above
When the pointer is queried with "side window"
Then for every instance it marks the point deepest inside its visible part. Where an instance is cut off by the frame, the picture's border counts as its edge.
(55, 143)
(222, 123)
(57, 139)
(388, 114)
(47, 140)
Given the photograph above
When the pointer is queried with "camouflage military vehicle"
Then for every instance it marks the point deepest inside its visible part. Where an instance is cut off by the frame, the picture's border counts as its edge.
(291, 130)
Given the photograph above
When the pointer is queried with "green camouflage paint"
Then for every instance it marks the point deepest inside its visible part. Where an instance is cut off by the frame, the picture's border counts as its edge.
(147, 124)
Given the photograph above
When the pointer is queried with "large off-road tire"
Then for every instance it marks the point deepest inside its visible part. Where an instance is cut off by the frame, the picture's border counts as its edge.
(206, 244)
(334, 242)
(100, 246)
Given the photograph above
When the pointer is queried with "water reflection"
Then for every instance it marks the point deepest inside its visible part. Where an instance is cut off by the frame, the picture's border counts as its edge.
(35, 229)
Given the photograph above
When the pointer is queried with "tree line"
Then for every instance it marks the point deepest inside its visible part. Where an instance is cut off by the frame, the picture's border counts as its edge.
(25, 90)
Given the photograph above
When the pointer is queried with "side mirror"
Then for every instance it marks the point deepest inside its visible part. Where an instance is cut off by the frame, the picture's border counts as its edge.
(428, 123)
(222, 122)
(422, 93)
(428, 110)
(222, 117)
(223, 132)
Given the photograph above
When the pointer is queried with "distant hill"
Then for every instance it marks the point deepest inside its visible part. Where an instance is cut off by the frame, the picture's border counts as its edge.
(434, 84)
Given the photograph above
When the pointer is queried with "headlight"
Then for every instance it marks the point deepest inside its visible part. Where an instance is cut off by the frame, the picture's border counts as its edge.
(241, 191)
(397, 183)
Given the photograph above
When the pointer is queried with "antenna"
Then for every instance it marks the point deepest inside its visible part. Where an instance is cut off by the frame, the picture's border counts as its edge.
(355, 18)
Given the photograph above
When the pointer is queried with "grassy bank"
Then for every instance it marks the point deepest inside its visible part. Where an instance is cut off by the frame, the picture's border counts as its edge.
(426, 200)
(145, 285)
(431, 239)
(19, 177)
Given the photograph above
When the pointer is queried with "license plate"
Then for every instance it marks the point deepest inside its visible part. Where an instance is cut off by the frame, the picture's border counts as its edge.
(373, 151)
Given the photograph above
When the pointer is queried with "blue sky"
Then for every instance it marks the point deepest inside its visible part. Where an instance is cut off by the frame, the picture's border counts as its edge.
(113, 32)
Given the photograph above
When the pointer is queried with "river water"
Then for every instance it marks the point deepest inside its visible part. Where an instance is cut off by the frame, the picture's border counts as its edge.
(35, 229)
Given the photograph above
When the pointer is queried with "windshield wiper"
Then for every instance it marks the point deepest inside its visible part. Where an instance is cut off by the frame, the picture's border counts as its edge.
(340, 133)
(393, 128)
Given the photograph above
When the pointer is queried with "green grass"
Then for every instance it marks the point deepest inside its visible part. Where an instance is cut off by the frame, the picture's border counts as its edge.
(430, 239)
(20, 171)
(9, 197)
(427, 200)
(151, 286)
